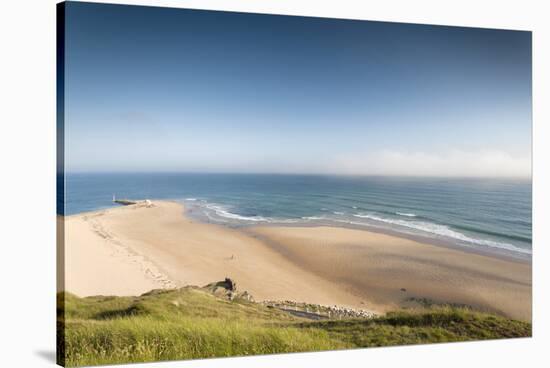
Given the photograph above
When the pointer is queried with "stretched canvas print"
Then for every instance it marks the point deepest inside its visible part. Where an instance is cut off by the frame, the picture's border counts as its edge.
(235, 184)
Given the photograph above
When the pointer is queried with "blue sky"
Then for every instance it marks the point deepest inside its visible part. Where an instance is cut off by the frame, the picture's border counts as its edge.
(157, 89)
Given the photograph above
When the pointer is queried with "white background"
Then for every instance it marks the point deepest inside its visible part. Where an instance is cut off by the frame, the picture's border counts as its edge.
(27, 184)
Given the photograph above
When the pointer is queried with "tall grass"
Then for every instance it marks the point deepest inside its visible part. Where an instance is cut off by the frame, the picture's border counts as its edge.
(192, 323)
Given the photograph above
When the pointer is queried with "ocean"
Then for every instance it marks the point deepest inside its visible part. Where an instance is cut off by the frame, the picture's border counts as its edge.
(492, 215)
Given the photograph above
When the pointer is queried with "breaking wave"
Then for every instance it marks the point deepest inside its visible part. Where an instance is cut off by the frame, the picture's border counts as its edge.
(442, 230)
(405, 214)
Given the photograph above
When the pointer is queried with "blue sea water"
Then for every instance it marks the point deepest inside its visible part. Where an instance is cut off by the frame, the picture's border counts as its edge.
(493, 215)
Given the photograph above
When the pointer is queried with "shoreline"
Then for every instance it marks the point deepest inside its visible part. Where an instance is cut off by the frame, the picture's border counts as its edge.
(498, 252)
(449, 244)
(174, 250)
(187, 253)
(494, 252)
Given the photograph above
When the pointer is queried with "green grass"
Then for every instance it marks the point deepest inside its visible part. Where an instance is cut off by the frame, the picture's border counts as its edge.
(193, 323)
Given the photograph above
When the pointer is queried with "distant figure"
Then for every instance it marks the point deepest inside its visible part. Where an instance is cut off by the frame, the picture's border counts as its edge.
(114, 198)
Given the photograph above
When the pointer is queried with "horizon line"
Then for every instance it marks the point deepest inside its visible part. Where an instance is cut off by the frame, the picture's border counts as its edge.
(530, 177)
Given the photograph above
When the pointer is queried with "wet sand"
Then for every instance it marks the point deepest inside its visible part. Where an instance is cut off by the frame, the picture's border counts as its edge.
(392, 272)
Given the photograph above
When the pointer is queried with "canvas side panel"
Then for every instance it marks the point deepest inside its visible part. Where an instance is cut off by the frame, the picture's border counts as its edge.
(60, 184)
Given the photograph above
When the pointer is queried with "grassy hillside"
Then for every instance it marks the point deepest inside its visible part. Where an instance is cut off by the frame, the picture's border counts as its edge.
(198, 323)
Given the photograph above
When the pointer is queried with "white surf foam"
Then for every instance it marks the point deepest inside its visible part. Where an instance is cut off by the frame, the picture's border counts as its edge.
(314, 218)
(405, 214)
(223, 212)
(445, 231)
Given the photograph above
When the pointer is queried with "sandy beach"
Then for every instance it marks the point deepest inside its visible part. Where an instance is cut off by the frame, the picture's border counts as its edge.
(133, 249)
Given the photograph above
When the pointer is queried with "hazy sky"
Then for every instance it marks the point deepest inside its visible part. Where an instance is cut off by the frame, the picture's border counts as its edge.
(153, 89)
